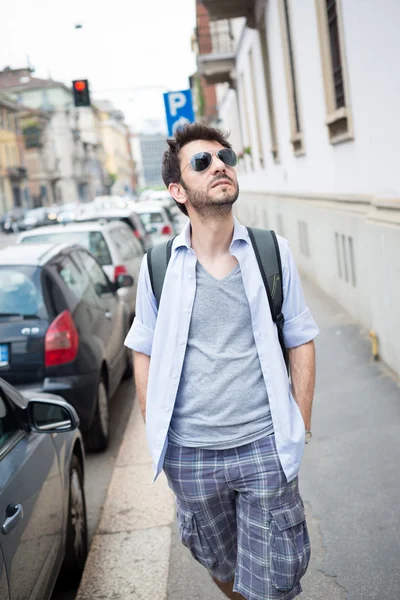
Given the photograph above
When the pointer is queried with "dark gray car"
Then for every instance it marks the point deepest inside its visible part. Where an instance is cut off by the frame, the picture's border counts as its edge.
(42, 503)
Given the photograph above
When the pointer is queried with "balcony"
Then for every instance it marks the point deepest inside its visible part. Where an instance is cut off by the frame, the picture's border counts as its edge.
(17, 174)
(216, 57)
(231, 9)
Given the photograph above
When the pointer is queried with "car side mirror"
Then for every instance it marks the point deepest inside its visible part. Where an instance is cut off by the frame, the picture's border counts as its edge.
(51, 416)
(124, 281)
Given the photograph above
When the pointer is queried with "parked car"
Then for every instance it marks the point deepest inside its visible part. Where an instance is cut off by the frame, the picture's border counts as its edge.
(157, 220)
(12, 220)
(62, 329)
(127, 215)
(37, 217)
(112, 243)
(42, 497)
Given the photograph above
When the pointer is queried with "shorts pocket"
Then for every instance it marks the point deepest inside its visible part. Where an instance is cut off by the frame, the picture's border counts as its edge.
(289, 545)
(194, 538)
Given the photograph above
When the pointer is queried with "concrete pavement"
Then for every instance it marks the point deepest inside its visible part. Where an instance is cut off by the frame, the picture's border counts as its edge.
(349, 481)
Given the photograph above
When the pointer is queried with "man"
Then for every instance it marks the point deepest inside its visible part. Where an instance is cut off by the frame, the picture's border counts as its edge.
(213, 386)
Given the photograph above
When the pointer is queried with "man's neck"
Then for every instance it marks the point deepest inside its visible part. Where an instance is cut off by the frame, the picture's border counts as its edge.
(213, 238)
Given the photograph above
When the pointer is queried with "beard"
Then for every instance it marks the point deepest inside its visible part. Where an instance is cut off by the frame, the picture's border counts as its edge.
(210, 207)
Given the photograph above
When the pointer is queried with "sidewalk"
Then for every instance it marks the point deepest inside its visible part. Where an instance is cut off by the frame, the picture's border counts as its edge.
(129, 556)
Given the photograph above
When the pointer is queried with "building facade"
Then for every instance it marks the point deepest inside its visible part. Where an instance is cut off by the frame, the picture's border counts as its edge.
(148, 151)
(77, 172)
(14, 191)
(312, 106)
(118, 156)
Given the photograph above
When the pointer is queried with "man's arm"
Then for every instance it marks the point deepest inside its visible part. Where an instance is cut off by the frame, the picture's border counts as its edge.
(141, 363)
(302, 372)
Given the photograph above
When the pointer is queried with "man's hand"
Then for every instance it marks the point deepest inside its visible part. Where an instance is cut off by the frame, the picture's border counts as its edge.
(302, 372)
(141, 365)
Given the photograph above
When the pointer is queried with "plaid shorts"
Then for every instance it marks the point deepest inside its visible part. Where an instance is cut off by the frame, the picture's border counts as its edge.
(240, 518)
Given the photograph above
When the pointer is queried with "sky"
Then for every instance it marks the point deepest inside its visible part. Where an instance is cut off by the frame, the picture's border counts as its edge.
(122, 45)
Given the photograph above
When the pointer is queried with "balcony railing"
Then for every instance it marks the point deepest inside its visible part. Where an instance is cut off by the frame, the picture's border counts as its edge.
(17, 173)
(216, 52)
(231, 9)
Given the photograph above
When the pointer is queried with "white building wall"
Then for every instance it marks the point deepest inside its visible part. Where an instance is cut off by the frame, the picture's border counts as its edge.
(351, 189)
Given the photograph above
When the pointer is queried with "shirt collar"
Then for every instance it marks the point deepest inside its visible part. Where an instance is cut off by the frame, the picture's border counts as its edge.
(239, 233)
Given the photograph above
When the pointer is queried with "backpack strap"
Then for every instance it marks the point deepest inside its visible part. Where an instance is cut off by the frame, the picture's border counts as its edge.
(157, 262)
(268, 257)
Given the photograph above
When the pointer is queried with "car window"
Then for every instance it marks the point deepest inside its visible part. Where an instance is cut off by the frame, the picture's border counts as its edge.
(92, 240)
(96, 274)
(8, 421)
(73, 277)
(21, 292)
(133, 242)
(148, 218)
(122, 243)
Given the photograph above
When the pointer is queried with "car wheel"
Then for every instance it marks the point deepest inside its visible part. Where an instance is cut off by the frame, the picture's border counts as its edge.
(98, 434)
(128, 373)
(76, 548)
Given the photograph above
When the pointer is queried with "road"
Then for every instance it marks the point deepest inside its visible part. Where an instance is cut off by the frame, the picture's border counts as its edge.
(99, 467)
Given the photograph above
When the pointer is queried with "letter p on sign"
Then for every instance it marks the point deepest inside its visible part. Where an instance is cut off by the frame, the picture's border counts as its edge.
(176, 100)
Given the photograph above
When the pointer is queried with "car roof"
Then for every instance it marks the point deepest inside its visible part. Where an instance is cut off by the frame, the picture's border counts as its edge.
(37, 255)
(95, 225)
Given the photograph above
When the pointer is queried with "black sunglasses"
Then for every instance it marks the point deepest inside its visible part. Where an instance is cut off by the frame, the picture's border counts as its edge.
(202, 160)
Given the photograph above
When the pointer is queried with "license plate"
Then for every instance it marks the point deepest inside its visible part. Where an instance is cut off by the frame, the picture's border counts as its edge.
(4, 355)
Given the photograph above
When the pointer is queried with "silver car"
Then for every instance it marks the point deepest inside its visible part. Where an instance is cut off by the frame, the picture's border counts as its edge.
(42, 502)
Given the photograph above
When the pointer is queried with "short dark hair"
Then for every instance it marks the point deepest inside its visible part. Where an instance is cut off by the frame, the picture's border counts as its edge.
(171, 168)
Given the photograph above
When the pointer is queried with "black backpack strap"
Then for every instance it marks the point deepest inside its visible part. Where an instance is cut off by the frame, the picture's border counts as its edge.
(157, 262)
(268, 256)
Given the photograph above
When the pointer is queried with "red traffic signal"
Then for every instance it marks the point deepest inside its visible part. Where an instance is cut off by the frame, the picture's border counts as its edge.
(80, 88)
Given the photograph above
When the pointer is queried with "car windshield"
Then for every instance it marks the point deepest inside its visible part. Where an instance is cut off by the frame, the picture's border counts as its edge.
(92, 240)
(21, 292)
(149, 218)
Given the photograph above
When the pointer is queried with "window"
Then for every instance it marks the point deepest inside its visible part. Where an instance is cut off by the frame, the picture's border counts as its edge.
(279, 224)
(92, 240)
(330, 26)
(268, 89)
(123, 245)
(245, 115)
(256, 108)
(96, 274)
(304, 238)
(345, 258)
(73, 278)
(20, 291)
(291, 82)
(8, 421)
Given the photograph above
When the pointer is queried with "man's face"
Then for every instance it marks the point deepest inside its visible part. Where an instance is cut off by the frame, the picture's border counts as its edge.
(211, 192)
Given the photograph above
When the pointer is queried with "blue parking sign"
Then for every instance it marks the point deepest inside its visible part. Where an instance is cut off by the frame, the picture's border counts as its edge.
(178, 109)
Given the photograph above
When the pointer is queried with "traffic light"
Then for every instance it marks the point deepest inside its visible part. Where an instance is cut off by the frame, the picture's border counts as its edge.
(80, 88)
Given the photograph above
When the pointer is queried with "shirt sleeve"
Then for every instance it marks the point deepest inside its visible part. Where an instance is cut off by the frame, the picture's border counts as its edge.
(141, 334)
(299, 327)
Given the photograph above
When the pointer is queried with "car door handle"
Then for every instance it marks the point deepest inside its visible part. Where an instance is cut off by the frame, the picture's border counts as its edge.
(108, 314)
(14, 515)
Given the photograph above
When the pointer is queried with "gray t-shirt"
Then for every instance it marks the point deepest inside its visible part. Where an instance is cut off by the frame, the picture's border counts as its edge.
(222, 400)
